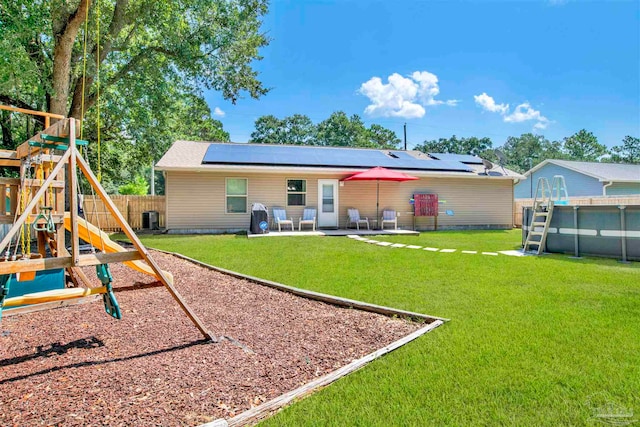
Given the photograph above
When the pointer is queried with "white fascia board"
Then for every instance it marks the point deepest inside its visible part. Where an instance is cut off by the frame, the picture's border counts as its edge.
(325, 171)
(627, 181)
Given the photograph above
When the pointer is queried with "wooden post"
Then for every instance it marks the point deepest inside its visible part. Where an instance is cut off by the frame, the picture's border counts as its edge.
(73, 193)
(110, 205)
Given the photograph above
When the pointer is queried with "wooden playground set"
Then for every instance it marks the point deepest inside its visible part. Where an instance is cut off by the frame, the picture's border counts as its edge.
(41, 254)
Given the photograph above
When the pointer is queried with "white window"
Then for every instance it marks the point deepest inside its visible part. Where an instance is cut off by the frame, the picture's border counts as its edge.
(296, 192)
(237, 195)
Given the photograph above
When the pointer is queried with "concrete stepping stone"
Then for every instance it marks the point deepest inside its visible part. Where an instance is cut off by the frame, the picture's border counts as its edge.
(414, 247)
(431, 249)
(447, 251)
(469, 252)
(384, 243)
(398, 245)
(514, 253)
(490, 253)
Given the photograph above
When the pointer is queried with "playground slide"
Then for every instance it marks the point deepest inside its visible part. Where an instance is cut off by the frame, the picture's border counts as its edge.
(90, 233)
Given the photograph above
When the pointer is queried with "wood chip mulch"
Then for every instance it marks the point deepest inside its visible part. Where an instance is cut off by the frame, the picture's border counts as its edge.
(77, 366)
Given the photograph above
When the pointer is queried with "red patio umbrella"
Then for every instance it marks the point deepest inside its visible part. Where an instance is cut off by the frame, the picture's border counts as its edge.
(380, 174)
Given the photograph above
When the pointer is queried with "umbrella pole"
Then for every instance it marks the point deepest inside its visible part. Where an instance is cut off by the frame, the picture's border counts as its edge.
(377, 198)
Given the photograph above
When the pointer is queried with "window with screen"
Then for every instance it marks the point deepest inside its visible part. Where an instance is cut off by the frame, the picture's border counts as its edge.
(237, 194)
(296, 192)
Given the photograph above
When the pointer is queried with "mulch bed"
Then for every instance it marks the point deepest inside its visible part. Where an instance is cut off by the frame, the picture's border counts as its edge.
(78, 366)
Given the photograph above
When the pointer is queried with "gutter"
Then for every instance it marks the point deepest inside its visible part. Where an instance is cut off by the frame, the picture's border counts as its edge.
(604, 188)
(326, 171)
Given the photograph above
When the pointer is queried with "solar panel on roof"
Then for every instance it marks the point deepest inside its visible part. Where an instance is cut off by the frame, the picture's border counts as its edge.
(283, 155)
(462, 158)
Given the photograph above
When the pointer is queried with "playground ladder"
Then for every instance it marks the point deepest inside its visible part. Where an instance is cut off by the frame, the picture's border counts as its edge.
(541, 217)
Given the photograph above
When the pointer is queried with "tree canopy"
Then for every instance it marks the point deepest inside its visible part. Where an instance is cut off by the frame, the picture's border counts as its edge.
(474, 146)
(628, 152)
(338, 130)
(148, 60)
(528, 150)
(584, 146)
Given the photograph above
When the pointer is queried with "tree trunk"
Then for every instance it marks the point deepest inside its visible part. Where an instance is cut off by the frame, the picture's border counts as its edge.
(118, 21)
(63, 46)
(7, 136)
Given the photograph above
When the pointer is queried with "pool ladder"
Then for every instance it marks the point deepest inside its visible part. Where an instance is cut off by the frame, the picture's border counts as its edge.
(541, 216)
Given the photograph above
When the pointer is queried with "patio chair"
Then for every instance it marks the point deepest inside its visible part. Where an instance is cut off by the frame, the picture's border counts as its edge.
(389, 217)
(354, 218)
(280, 218)
(308, 217)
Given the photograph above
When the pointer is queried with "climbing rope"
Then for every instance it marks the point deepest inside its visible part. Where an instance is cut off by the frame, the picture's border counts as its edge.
(99, 175)
(84, 70)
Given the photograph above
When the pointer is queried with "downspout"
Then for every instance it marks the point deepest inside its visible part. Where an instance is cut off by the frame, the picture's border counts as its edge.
(604, 188)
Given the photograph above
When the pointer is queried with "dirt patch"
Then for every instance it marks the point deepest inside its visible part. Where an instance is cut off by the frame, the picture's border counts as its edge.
(78, 366)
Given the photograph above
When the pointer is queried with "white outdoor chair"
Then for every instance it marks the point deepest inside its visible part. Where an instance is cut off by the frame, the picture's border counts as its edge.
(308, 217)
(354, 218)
(389, 217)
(280, 218)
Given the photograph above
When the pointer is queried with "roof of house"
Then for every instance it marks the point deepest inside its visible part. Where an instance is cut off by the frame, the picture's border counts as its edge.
(200, 156)
(602, 171)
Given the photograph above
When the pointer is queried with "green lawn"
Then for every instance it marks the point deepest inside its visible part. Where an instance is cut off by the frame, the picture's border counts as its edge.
(531, 340)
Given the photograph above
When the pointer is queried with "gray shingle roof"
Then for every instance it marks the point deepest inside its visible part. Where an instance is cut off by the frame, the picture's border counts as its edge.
(601, 171)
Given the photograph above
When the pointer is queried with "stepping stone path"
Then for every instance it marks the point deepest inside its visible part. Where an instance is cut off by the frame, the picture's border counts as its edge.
(429, 249)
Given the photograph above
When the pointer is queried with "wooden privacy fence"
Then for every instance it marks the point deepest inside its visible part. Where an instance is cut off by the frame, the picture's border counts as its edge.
(581, 201)
(131, 207)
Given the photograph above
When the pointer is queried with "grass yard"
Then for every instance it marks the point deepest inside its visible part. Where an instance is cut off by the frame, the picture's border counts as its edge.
(532, 341)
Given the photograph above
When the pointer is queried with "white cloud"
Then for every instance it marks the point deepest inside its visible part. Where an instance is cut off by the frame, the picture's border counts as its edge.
(522, 113)
(488, 103)
(218, 112)
(402, 96)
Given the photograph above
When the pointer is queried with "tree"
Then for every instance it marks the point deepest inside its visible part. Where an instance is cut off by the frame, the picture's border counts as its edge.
(584, 146)
(528, 150)
(628, 152)
(381, 137)
(299, 130)
(146, 50)
(341, 131)
(472, 145)
(269, 130)
(138, 187)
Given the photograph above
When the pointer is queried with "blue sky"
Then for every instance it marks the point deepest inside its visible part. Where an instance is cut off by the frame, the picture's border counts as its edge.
(472, 68)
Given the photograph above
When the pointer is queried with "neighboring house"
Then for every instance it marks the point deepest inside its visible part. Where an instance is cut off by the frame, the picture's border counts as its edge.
(210, 187)
(583, 178)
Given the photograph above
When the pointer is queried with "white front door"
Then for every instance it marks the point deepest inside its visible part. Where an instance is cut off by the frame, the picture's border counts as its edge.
(328, 203)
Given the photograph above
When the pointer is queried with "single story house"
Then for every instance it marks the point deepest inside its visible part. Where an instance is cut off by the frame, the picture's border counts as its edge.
(211, 186)
(583, 179)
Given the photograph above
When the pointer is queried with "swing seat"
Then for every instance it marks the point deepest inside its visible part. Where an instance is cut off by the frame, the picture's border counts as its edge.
(53, 295)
